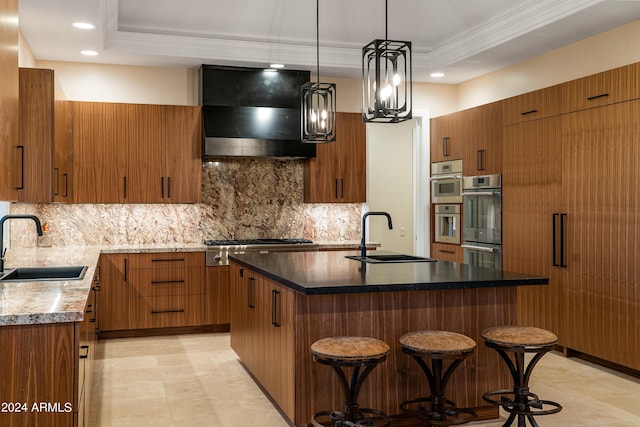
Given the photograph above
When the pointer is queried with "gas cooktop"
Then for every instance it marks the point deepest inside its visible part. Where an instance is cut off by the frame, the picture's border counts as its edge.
(243, 242)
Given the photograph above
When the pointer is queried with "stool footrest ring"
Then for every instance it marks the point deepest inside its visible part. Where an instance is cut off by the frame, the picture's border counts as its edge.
(338, 418)
(426, 413)
(530, 404)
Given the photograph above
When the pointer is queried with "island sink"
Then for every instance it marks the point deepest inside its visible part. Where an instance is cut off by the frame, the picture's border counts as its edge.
(390, 258)
(31, 274)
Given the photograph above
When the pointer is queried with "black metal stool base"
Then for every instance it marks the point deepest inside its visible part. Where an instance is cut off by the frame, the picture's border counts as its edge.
(445, 413)
(340, 419)
(527, 406)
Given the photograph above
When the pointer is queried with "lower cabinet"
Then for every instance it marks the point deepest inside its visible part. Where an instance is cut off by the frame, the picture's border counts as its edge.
(447, 252)
(161, 290)
(263, 333)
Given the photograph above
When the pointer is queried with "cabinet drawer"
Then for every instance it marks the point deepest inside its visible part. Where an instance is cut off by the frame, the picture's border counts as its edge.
(166, 260)
(447, 252)
(532, 105)
(608, 87)
(166, 281)
(166, 311)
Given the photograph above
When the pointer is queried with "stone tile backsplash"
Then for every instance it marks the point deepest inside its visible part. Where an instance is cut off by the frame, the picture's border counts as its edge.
(241, 199)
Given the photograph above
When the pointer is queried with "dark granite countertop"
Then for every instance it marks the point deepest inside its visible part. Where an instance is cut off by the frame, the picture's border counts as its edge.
(330, 272)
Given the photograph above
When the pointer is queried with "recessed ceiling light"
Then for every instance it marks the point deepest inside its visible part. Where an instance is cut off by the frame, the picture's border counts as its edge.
(276, 66)
(84, 25)
(89, 52)
(437, 75)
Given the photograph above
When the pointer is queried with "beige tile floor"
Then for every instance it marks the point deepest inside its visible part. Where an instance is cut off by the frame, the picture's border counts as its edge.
(196, 380)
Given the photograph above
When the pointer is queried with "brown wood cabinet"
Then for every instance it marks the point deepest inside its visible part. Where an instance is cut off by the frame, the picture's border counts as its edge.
(338, 172)
(9, 107)
(482, 140)
(534, 105)
(446, 138)
(135, 153)
(217, 282)
(600, 158)
(531, 196)
(263, 333)
(36, 135)
(63, 152)
(114, 293)
(611, 86)
(447, 252)
(87, 341)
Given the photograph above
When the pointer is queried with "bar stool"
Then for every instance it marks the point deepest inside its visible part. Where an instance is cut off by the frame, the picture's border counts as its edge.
(342, 353)
(437, 346)
(519, 341)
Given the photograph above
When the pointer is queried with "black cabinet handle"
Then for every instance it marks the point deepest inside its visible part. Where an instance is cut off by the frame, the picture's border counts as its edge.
(480, 160)
(342, 187)
(337, 195)
(563, 243)
(445, 251)
(56, 190)
(274, 308)
(524, 113)
(125, 269)
(125, 187)
(251, 283)
(169, 187)
(241, 272)
(602, 95)
(162, 187)
(21, 186)
(66, 184)
(165, 282)
(180, 310)
(167, 259)
(554, 238)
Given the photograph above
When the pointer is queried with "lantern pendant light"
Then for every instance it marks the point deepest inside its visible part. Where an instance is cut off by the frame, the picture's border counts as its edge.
(318, 124)
(386, 79)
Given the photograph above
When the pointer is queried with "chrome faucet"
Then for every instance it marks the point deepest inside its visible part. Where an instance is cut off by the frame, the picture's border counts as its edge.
(363, 247)
(7, 217)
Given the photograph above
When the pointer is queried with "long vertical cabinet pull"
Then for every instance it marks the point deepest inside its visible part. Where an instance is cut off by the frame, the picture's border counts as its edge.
(251, 284)
(274, 308)
(480, 160)
(563, 240)
(125, 270)
(125, 187)
(21, 186)
(168, 187)
(559, 240)
(162, 187)
(445, 146)
(56, 180)
(66, 184)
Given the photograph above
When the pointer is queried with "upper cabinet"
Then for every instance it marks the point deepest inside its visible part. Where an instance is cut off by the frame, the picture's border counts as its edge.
(338, 172)
(534, 105)
(135, 153)
(608, 87)
(446, 138)
(9, 152)
(63, 151)
(36, 135)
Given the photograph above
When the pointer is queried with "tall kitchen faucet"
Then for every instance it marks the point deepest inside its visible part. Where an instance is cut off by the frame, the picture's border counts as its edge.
(363, 247)
(7, 217)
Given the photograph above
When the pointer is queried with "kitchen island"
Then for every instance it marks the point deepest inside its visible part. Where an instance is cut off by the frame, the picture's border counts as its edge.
(282, 302)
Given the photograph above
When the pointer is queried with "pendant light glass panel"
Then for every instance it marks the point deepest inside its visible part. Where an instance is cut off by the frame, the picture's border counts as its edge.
(386, 81)
(319, 112)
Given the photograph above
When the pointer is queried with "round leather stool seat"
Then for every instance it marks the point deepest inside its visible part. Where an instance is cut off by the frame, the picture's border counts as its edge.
(360, 355)
(437, 342)
(437, 347)
(350, 348)
(521, 336)
(512, 344)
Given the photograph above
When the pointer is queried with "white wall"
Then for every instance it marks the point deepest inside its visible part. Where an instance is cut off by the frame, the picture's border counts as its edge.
(390, 184)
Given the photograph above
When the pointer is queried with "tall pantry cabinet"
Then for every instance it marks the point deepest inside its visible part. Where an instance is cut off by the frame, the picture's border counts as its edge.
(9, 153)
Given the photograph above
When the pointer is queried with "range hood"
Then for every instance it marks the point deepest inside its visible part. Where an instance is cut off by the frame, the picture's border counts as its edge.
(252, 112)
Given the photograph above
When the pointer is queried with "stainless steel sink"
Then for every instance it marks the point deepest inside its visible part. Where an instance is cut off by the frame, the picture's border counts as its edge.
(390, 258)
(31, 274)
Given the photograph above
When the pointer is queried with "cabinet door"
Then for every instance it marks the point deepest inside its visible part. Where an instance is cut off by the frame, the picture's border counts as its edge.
(36, 135)
(611, 86)
(534, 105)
(338, 172)
(446, 138)
(114, 293)
(447, 252)
(601, 183)
(482, 139)
(63, 152)
(183, 155)
(100, 144)
(531, 194)
(146, 182)
(9, 108)
(218, 299)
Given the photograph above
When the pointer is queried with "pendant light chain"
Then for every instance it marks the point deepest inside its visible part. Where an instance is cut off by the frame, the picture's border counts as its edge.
(318, 41)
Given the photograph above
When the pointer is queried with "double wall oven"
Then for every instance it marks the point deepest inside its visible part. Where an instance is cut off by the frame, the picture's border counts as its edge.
(446, 195)
(482, 223)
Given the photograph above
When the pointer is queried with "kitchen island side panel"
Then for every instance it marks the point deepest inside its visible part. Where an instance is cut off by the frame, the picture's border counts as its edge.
(387, 316)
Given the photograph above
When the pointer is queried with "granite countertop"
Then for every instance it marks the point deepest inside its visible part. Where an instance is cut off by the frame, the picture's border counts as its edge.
(24, 303)
(331, 273)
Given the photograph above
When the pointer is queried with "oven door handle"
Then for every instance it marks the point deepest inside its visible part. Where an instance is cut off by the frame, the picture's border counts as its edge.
(480, 193)
(441, 177)
(479, 248)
